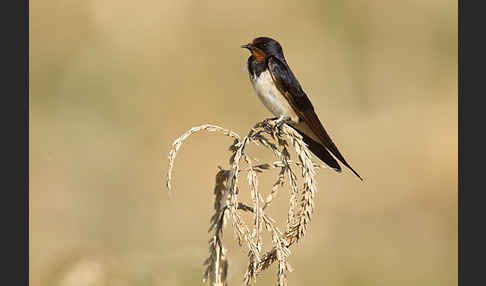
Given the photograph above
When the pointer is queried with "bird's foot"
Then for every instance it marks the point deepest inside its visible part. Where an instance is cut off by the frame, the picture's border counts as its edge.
(267, 120)
(281, 121)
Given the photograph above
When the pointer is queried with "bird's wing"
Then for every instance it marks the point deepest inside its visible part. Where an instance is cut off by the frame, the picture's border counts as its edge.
(288, 85)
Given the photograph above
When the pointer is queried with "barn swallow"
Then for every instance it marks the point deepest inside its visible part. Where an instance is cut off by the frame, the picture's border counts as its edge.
(279, 90)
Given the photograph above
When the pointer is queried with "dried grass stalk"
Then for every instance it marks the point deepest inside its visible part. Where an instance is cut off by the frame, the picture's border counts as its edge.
(178, 142)
(278, 138)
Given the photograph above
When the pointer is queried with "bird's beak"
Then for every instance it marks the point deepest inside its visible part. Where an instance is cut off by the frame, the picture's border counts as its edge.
(248, 46)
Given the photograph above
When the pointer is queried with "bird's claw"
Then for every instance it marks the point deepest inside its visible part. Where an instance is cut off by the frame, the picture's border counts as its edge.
(267, 120)
(281, 121)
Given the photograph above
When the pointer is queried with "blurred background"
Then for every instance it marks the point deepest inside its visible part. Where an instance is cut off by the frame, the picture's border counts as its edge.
(113, 83)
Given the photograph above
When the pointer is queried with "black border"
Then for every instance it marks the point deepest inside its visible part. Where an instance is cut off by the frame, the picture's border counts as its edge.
(15, 135)
(471, 120)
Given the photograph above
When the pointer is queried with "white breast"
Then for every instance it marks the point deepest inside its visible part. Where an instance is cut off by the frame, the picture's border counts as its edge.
(271, 96)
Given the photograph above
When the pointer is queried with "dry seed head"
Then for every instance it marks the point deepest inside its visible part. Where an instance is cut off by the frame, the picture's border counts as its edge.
(278, 139)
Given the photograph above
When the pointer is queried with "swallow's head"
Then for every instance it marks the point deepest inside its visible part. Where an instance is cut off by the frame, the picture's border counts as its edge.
(264, 47)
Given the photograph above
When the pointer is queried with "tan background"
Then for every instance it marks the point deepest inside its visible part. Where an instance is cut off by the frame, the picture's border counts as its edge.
(113, 83)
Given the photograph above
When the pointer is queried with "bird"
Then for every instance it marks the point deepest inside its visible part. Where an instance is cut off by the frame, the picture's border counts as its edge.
(281, 93)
